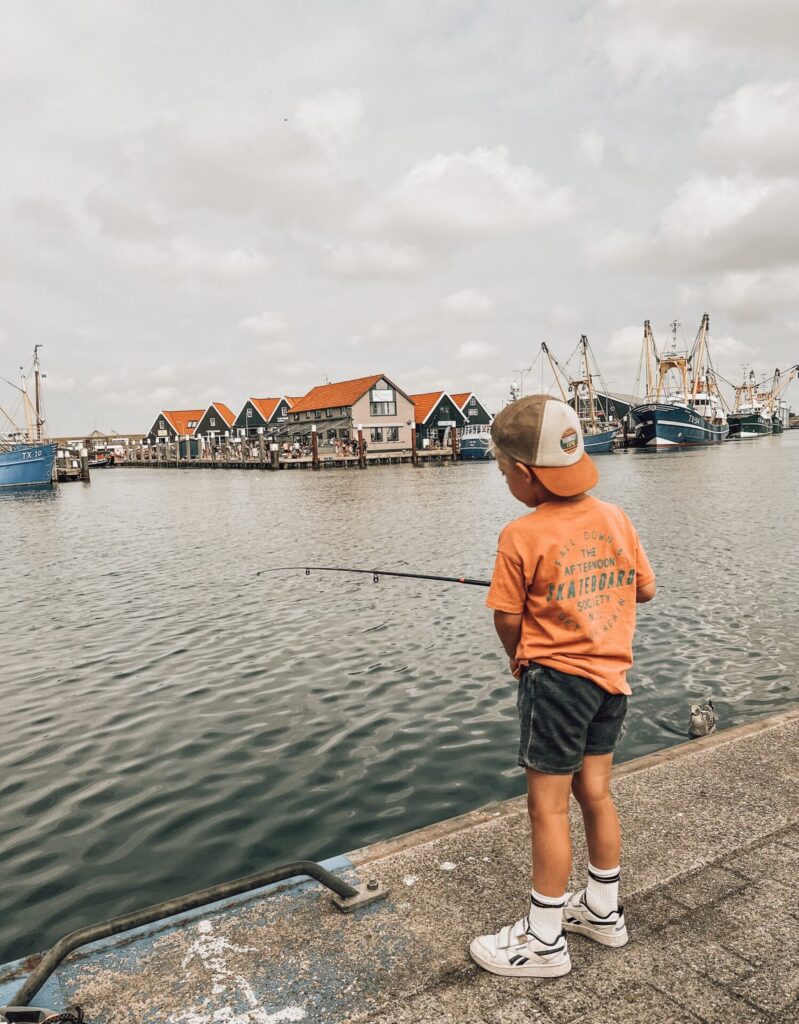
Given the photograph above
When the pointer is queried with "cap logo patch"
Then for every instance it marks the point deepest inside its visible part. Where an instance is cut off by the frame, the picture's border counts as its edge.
(569, 440)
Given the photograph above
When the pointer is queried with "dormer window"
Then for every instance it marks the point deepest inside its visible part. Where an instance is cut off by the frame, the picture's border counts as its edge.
(249, 412)
(212, 421)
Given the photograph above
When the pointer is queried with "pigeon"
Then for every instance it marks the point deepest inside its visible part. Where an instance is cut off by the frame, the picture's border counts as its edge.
(703, 720)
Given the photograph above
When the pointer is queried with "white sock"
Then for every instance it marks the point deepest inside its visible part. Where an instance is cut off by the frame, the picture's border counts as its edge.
(602, 890)
(546, 915)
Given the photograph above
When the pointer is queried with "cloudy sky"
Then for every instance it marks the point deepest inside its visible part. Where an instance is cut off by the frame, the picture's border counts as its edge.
(204, 201)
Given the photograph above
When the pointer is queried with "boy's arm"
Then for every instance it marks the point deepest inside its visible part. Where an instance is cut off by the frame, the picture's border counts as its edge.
(509, 630)
(645, 593)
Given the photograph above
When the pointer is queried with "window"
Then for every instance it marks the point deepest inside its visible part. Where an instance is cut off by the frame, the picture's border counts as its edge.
(308, 415)
(331, 435)
(249, 412)
(392, 433)
(329, 413)
(376, 434)
(383, 408)
(446, 412)
(472, 401)
(161, 425)
(192, 423)
(212, 421)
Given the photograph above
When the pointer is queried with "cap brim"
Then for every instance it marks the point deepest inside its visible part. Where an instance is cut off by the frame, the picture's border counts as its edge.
(566, 481)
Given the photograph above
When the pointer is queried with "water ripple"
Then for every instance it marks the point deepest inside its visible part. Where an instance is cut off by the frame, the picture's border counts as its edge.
(172, 720)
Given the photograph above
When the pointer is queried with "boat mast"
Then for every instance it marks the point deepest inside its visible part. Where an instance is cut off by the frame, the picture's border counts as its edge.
(556, 369)
(651, 359)
(37, 392)
(697, 357)
(586, 370)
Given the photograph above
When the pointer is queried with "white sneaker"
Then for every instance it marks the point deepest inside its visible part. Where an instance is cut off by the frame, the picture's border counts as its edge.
(578, 917)
(517, 953)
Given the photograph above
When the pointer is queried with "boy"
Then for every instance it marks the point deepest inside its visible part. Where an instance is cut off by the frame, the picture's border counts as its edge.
(565, 585)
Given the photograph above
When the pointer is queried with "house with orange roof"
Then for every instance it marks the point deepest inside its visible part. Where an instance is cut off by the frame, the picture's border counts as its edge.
(375, 403)
(271, 415)
(472, 408)
(437, 415)
(215, 423)
(173, 423)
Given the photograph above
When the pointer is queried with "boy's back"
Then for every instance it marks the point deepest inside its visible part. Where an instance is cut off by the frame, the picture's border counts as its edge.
(572, 568)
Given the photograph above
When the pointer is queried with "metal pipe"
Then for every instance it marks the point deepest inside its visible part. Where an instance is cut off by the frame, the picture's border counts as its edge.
(138, 918)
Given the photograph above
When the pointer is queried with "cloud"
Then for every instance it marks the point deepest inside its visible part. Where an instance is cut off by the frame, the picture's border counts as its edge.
(469, 303)
(755, 130)
(598, 151)
(375, 259)
(332, 117)
(474, 351)
(751, 296)
(461, 196)
(653, 38)
(264, 323)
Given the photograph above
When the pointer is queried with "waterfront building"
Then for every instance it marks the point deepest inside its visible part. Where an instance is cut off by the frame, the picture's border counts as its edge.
(337, 410)
(172, 423)
(215, 422)
(436, 413)
(271, 414)
(472, 408)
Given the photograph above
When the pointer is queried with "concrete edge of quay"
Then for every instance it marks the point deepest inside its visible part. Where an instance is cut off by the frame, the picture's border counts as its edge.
(503, 808)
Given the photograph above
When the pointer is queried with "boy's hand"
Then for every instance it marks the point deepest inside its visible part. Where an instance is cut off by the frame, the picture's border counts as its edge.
(515, 668)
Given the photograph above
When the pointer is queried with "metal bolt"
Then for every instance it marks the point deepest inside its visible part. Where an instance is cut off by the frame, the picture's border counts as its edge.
(372, 885)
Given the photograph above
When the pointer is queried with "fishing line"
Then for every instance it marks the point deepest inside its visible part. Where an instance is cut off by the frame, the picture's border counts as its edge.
(377, 573)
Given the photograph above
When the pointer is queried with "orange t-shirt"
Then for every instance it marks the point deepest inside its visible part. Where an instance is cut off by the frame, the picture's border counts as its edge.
(572, 569)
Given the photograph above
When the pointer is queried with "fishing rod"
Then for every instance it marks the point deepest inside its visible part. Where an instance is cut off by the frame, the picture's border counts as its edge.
(377, 573)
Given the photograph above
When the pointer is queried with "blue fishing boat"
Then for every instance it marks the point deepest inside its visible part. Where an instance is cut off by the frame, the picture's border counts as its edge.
(27, 456)
(678, 411)
(27, 465)
(599, 424)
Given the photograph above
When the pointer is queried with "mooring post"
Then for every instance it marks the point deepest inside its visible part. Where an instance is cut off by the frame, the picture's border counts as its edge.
(84, 465)
(414, 458)
(261, 447)
(361, 452)
(314, 448)
(454, 439)
(274, 455)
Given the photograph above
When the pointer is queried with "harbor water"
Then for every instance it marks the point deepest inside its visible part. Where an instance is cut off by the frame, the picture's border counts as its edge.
(171, 720)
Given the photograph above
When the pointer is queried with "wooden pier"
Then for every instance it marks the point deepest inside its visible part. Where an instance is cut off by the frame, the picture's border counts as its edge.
(166, 457)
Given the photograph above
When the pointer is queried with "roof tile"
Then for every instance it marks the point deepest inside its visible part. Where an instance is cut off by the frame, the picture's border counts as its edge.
(343, 392)
(179, 419)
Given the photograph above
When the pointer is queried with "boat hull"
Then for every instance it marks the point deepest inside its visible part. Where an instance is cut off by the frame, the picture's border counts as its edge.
(27, 465)
(750, 424)
(604, 441)
(777, 426)
(475, 448)
(660, 425)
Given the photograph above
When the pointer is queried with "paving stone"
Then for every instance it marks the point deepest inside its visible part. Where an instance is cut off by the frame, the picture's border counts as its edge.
(707, 887)
(635, 1004)
(776, 987)
(669, 951)
(704, 997)
(778, 860)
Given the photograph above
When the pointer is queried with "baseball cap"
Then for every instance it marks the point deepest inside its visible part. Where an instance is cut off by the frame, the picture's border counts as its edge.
(544, 433)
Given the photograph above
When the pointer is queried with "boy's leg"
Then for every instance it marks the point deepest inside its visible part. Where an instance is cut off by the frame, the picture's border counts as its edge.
(548, 807)
(591, 788)
(595, 911)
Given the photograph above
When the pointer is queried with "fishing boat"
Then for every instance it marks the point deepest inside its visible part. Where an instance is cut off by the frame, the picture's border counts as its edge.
(475, 441)
(600, 426)
(682, 407)
(27, 455)
(777, 410)
(751, 415)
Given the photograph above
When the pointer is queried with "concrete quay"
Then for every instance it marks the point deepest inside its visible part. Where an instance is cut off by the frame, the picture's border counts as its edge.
(710, 885)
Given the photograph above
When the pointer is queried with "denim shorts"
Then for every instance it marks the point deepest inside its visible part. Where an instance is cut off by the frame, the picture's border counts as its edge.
(563, 717)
